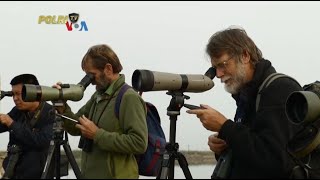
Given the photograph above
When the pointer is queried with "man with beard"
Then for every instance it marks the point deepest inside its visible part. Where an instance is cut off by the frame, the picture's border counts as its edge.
(254, 141)
(108, 144)
(30, 130)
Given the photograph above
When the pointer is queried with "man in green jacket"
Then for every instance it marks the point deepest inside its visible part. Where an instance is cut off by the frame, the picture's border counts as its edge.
(108, 144)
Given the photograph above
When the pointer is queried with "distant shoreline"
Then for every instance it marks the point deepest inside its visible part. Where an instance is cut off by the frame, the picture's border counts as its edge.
(193, 157)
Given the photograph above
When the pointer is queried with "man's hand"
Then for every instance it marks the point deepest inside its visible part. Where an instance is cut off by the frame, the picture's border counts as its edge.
(216, 144)
(211, 119)
(6, 120)
(87, 127)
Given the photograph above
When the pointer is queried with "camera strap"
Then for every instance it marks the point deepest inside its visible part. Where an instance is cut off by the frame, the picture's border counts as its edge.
(14, 152)
(111, 96)
(36, 115)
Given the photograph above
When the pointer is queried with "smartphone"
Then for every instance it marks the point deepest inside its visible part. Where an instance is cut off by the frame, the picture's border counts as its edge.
(66, 117)
(190, 106)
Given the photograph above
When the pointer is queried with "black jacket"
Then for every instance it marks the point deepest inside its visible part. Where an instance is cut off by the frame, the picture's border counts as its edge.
(258, 140)
(34, 142)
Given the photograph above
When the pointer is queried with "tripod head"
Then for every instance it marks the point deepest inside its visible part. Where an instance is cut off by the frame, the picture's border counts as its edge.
(176, 103)
(173, 110)
(58, 123)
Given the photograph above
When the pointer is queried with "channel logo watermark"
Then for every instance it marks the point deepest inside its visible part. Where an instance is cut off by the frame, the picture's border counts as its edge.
(71, 21)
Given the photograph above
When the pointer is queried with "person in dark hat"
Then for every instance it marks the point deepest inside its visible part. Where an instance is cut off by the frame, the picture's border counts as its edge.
(30, 130)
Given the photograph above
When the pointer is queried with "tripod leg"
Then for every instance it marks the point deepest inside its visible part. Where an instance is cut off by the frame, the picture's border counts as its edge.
(184, 165)
(72, 160)
(171, 166)
(57, 159)
(48, 161)
(167, 167)
(163, 173)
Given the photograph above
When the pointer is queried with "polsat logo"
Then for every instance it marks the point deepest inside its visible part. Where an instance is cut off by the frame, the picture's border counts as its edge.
(71, 21)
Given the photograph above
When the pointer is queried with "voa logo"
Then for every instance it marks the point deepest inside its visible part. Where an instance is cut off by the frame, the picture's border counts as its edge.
(71, 21)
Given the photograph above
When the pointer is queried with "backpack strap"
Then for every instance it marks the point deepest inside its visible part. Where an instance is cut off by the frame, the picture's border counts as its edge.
(152, 108)
(267, 82)
(123, 89)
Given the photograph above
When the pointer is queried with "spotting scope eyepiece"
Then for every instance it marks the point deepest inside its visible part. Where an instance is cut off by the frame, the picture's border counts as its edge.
(146, 80)
(211, 72)
(5, 93)
(73, 92)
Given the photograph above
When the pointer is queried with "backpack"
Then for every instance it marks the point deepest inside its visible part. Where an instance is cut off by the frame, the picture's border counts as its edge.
(149, 162)
(308, 166)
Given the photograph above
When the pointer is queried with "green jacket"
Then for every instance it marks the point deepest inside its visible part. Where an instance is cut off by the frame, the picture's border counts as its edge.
(117, 140)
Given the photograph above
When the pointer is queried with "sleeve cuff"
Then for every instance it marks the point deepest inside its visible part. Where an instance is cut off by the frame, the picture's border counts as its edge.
(14, 126)
(98, 135)
(226, 130)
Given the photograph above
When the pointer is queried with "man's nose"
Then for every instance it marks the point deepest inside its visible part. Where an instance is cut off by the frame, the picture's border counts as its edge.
(15, 97)
(219, 72)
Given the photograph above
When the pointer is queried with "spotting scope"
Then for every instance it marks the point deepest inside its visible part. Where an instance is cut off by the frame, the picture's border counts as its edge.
(146, 80)
(73, 92)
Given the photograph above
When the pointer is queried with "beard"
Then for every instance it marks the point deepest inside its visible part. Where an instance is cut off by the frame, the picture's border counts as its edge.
(236, 81)
(103, 85)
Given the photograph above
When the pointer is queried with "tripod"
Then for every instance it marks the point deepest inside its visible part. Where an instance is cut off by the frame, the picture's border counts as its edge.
(171, 151)
(54, 149)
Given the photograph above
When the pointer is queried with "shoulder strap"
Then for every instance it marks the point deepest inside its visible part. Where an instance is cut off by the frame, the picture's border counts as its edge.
(267, 82)
(123, 89)
(37, 114)
(152, 109)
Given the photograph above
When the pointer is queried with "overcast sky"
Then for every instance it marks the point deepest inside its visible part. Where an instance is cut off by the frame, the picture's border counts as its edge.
(157, 36)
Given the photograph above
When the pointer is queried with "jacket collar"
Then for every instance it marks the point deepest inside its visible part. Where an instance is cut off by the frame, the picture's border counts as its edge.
(246, 97)
(262, 69)
(115, 85)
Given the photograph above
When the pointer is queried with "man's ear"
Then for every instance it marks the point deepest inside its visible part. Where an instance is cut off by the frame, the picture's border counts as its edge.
(108, 68)
(245, 57)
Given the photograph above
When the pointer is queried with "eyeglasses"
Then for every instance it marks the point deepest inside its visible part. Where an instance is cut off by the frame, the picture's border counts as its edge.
(222, 65)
